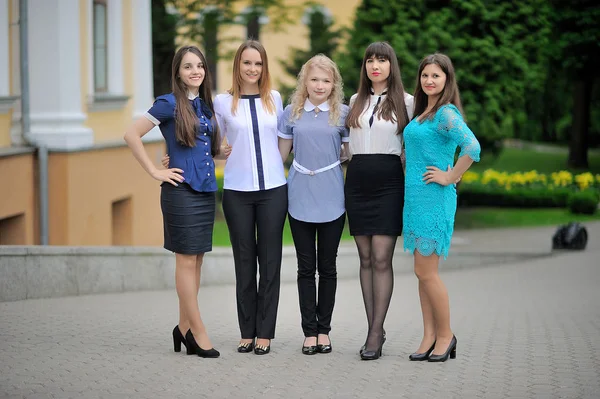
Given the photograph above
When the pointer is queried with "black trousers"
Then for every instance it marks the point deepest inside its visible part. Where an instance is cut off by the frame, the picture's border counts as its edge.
(255, 220)
(316, 317)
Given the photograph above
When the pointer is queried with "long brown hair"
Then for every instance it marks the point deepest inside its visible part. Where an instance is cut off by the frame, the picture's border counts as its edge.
(450, 93)
(264, 82)
(393, 107)
(186, 122)
(336, 97)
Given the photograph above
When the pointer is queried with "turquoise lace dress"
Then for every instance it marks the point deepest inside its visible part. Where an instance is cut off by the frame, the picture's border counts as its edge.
(429, 209)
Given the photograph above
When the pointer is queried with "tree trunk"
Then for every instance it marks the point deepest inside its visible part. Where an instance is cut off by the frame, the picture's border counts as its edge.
(578, 146)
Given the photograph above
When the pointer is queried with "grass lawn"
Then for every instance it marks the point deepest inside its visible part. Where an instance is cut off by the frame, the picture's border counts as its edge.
(523, 160)
(221, 234)
(466, 218)
(476, 218)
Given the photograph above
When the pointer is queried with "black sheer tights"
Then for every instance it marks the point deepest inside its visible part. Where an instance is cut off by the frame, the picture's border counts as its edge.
(376, 281)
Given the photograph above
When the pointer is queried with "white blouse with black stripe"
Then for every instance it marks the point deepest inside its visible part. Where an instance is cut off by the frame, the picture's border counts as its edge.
(254, 163)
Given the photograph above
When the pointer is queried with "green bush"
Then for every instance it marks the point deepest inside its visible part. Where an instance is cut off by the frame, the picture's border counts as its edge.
(585, 202)
(475, 194)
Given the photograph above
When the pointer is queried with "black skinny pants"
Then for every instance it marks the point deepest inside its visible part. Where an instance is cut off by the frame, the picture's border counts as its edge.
(316, 316)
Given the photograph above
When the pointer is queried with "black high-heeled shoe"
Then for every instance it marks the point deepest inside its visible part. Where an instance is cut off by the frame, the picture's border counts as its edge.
(418, 357)
(178, 339)
(245, 347)
(362, 348)
(373, 355)
(262, 349)
(325, 348)
(450, 353)
(193, 348)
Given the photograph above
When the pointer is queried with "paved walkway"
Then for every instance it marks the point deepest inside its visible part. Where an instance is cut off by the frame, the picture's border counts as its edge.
(526, 329)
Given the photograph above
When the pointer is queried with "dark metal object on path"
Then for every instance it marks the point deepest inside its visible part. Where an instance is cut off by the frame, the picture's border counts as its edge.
(570, 236)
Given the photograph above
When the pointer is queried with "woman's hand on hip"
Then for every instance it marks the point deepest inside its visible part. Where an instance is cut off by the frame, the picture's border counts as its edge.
(436, 175)
(165, 161)
(226, 150)
(172, 175)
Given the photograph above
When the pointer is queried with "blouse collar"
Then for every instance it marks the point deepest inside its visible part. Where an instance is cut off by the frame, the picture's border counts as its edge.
(383, 93)
(191, 96)
(308, 106)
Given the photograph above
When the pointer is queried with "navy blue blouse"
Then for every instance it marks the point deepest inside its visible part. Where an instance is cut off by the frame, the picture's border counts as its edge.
(196, 162)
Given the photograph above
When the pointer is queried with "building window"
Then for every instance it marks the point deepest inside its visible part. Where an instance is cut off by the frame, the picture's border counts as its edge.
(100, 47)
(122, 222)
(12, 230)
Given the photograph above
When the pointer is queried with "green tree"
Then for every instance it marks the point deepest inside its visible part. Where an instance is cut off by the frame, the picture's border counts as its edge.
(163, 46)
(497, 48)
(577, 38)
(323, 39)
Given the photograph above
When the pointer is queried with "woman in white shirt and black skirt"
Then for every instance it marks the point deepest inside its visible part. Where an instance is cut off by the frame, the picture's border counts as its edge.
(255, 193)
(374, 188)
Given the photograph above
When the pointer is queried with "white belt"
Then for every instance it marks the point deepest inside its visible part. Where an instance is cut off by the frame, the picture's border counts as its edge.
(305, 171)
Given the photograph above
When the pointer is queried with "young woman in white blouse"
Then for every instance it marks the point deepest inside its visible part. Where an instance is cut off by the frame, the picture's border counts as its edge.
(374, 188)
(255, 193)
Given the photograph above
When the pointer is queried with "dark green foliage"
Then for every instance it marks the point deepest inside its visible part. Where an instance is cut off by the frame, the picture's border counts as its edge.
(584, 202)
(163, 46)
(322, 40)
(498, 50)
(577, 51)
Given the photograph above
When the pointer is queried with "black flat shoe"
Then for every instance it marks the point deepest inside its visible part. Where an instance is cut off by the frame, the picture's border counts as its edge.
(362, 348)
(450, 353)
(324, 348)
(419, 357)
(178, 339)
(245, 347)
(194, 348)
(262, 349)
(310, 350)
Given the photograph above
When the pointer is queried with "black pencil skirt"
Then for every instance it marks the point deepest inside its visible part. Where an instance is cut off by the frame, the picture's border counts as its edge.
(188, 219)
(374, 192)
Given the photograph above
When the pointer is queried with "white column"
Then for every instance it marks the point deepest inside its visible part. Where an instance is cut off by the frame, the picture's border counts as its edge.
(55, 75)
(4, 50)
(115, 46)
(15, 129)
(142, 55)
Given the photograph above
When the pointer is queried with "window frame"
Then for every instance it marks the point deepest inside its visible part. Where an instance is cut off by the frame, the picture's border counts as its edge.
(95, 47)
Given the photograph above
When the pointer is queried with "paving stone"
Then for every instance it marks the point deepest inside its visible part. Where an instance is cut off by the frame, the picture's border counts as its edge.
(525, 329)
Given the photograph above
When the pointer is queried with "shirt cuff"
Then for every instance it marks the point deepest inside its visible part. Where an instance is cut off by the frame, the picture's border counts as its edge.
(152, 119)
(285, 136)
(345, 139)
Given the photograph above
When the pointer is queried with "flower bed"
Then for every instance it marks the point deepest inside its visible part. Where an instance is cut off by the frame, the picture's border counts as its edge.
(528, 189)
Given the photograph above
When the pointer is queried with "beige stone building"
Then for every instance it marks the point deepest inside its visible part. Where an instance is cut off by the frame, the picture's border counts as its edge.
(90, 76)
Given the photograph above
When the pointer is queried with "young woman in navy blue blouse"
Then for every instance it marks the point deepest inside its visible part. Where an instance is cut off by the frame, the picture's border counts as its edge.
(185, 118)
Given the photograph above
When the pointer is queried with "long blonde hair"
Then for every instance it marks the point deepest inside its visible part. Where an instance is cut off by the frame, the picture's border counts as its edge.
(336, 98)
(264, 83)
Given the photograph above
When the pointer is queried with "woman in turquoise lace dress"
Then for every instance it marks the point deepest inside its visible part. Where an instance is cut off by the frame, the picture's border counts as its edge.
(431, 140)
